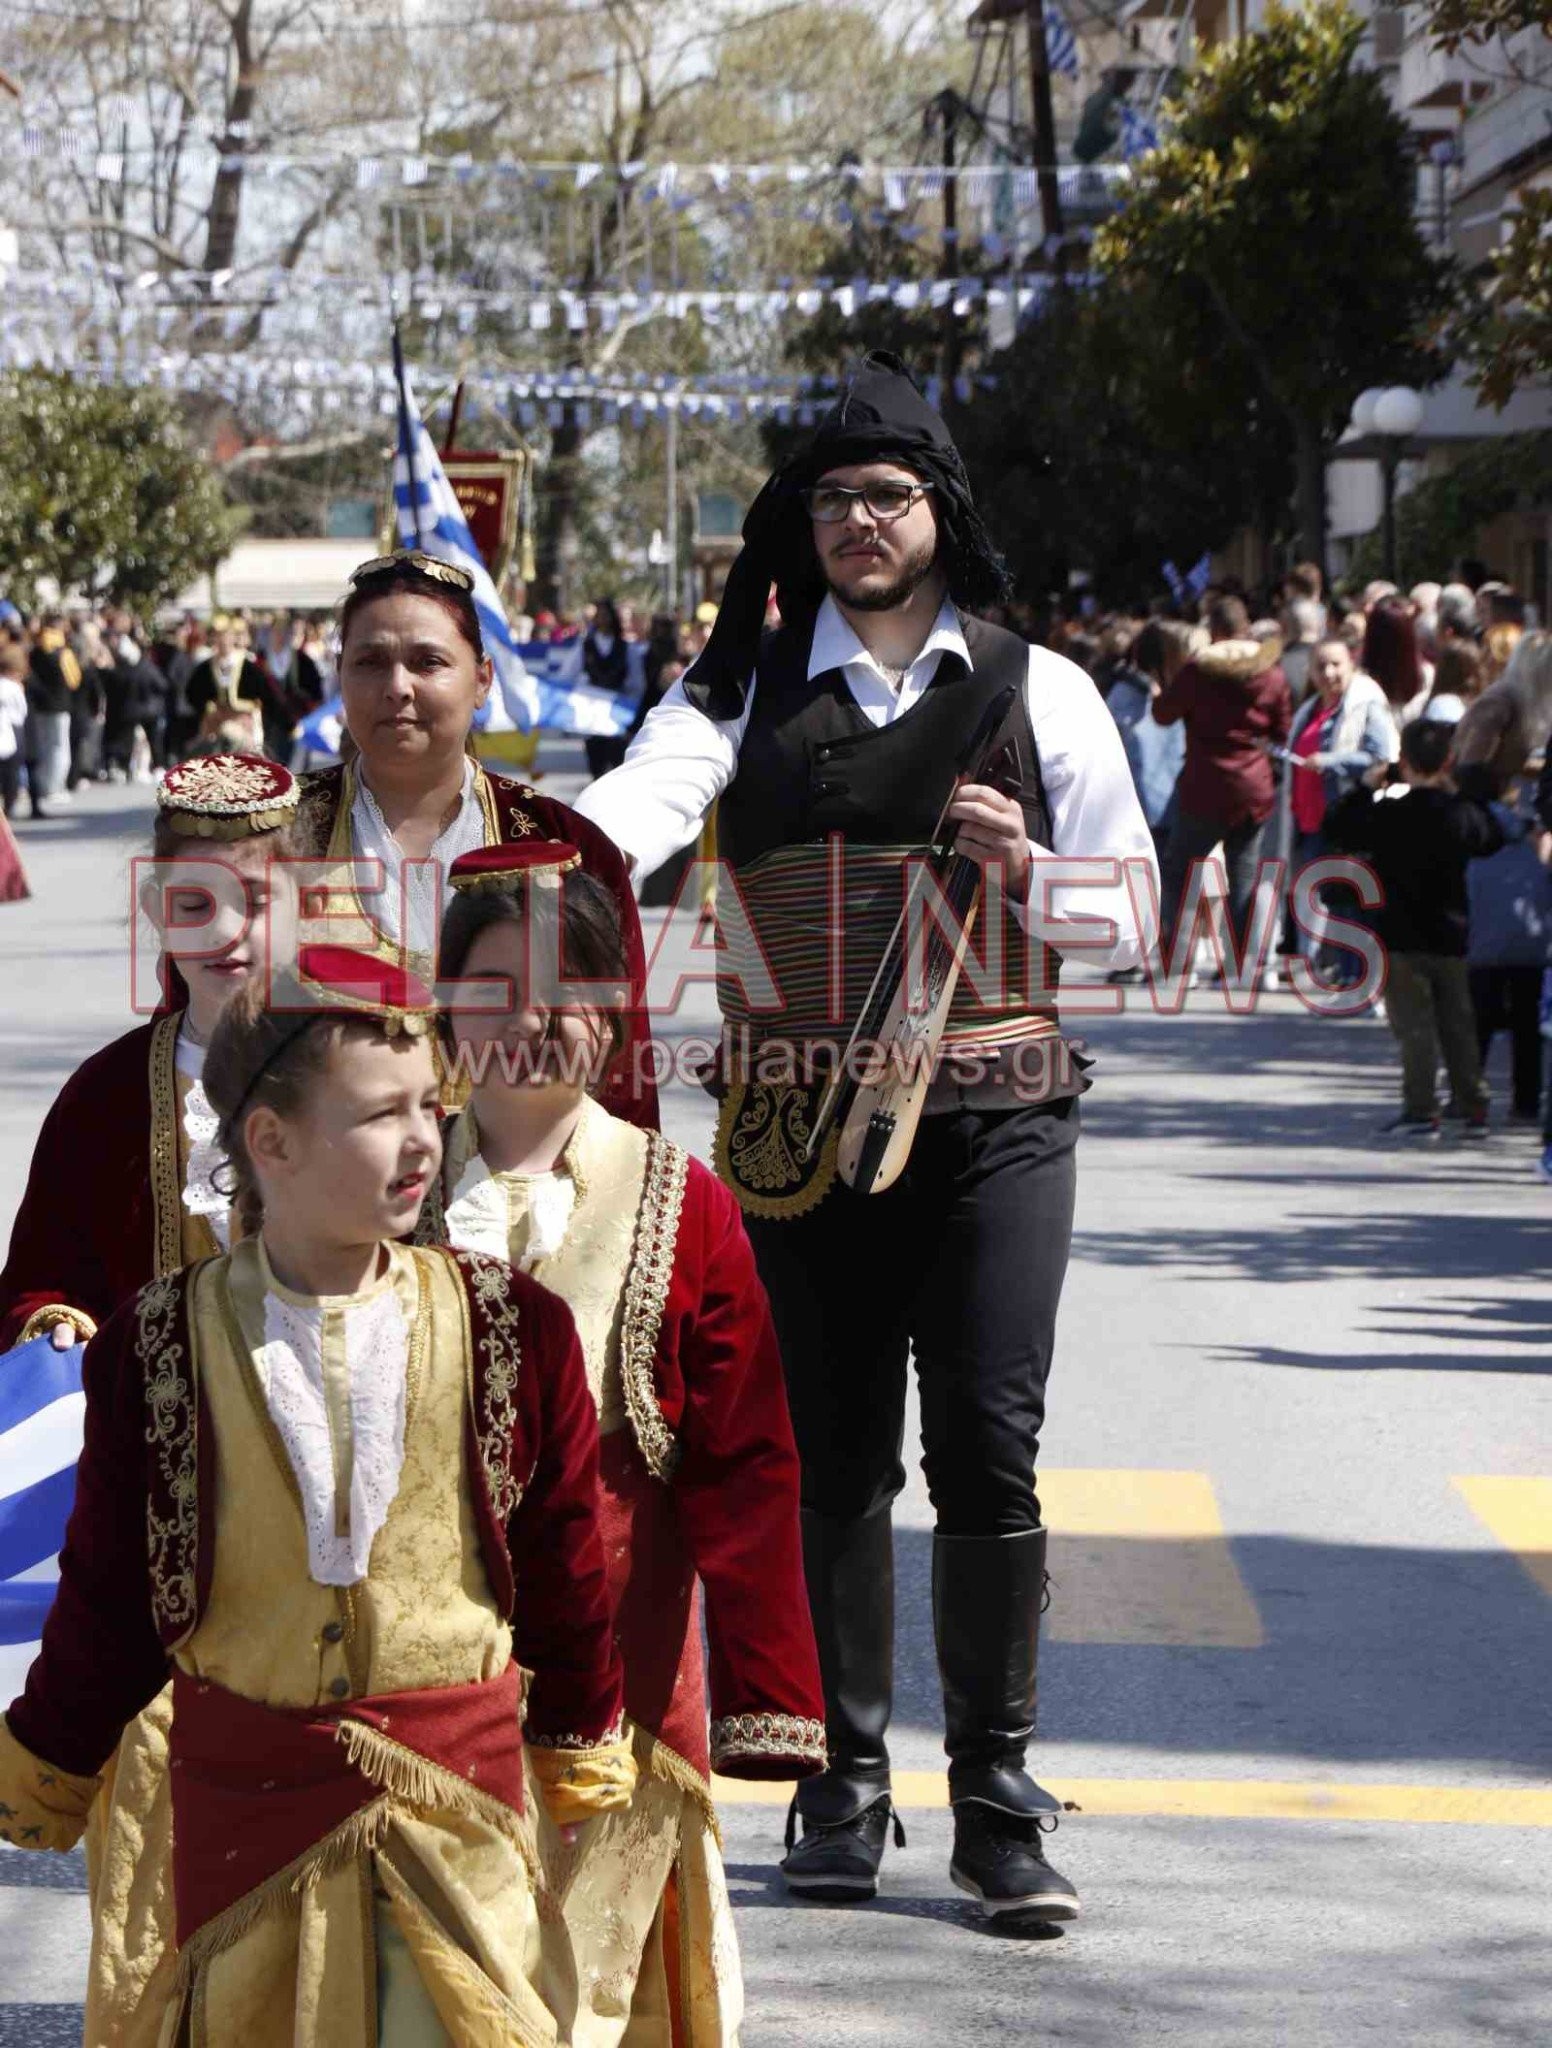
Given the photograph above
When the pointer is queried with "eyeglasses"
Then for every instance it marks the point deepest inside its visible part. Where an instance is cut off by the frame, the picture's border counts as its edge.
(831, 503)
(415, 558)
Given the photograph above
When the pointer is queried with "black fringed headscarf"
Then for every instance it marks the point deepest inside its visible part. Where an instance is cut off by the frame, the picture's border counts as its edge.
(880, 416)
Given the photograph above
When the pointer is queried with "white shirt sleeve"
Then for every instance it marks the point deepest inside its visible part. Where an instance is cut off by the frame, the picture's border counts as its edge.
(675, 769)
(1095, 873)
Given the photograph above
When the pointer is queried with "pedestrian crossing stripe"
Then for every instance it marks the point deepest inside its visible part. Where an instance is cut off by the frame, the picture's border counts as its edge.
(1519, 1513)
(1143, 1557)
(1504, 1806)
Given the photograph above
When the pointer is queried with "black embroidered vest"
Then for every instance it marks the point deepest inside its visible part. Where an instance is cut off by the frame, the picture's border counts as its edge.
(811, 765)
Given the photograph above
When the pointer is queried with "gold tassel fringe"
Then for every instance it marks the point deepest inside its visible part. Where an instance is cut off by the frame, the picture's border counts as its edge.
(417, 1781)
(408, 1780)
(284, 1891)
(671, 1767)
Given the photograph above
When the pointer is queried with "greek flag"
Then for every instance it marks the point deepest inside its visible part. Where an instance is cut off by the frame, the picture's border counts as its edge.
(42, 1413)
(1138, 133)
(1061, 45)
(430, 518)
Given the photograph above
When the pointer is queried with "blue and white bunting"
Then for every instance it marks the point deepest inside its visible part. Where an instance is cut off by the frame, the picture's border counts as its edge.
(1138, 133)
(1061, 45)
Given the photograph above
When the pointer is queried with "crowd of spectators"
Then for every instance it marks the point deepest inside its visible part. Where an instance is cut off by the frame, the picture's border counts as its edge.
(103, 696)
(1407, 730)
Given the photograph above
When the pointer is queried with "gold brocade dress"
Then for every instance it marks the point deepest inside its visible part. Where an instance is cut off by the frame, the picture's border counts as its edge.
(642, 1891)
(430, 1937)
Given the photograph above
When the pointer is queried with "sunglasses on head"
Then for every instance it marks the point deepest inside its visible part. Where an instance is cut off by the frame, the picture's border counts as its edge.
(831, 503)
(414, 558)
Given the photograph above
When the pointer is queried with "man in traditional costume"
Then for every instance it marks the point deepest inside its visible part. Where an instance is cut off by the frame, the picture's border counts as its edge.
(343, 820)
(830, 746)
(344, 1522)
(699, 1488)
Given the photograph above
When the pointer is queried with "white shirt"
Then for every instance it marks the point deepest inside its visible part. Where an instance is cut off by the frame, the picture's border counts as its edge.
(681, 761)
(371, 840)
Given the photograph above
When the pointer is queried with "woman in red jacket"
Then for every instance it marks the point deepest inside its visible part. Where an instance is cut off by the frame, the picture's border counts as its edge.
(1234, 702)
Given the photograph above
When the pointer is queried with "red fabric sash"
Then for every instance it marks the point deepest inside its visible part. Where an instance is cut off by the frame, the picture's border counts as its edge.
(656, 1602)
(256, 1787)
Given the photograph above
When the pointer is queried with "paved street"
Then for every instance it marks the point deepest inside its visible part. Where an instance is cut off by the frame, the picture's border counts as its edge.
(1299, 1463)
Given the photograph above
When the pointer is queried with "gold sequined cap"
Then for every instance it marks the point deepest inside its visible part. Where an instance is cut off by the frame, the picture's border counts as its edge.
(228, 796)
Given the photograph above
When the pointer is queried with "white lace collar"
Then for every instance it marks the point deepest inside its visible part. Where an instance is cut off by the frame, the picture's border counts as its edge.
(204, 1177)
(487, 1210)
(334, 1372)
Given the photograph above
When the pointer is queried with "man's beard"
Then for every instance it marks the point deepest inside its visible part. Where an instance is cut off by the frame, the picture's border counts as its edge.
(914, 572)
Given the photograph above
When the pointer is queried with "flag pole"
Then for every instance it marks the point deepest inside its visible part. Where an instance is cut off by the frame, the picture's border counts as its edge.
(406, 437)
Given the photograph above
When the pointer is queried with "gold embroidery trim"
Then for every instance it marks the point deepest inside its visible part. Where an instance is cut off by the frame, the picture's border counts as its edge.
(42, 1320)
(580, 1744)
(166, 1167)
(791, 1735)
(758, 1149)
(172, 1432)
(646, 1294)
(501, 1348)
(520, 825)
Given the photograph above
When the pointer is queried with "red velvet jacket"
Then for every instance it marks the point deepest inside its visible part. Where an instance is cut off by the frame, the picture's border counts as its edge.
(136, 1568)
(101, 1214)
(630, 1086)
(707, 1410)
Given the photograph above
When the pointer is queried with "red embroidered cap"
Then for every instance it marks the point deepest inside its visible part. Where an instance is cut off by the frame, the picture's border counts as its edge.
(507, 865)
(228, 796)
(338, 978)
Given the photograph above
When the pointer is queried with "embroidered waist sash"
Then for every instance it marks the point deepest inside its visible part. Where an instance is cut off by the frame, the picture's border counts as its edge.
(265, 1798)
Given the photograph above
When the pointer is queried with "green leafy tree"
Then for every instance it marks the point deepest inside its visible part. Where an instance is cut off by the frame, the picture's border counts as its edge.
(1506, 327)
(1453, 22)
(1273, 246)
(1441, 518)
(102, 492)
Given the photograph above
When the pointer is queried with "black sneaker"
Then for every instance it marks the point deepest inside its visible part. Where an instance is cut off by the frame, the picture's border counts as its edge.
(999, 1859)
(1423, 1127)
(837, 1862)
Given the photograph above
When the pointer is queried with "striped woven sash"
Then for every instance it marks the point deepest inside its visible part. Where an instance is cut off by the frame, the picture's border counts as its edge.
(802, 943)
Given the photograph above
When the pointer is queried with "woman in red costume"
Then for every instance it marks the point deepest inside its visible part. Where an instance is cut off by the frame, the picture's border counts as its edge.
(412, 675)
(341, 1489)
(699, 1475)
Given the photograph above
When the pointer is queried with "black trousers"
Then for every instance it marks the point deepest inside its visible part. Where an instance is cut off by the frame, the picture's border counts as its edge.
(1509, 999)
(962, 1262)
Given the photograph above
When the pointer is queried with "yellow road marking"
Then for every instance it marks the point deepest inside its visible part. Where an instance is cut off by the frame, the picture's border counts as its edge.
(1519, 1513)
(1503, 1806)
(1143, 1557)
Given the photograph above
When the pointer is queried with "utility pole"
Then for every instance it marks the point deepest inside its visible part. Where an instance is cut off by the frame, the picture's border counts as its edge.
(1044, 125)
(671, 530)
(947, 105)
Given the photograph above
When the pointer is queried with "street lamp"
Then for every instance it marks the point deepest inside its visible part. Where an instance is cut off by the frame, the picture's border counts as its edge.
(1393, 415)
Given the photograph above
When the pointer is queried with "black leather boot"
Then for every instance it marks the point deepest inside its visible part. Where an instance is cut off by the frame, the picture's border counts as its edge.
(987, 1595)
(846, 1811)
